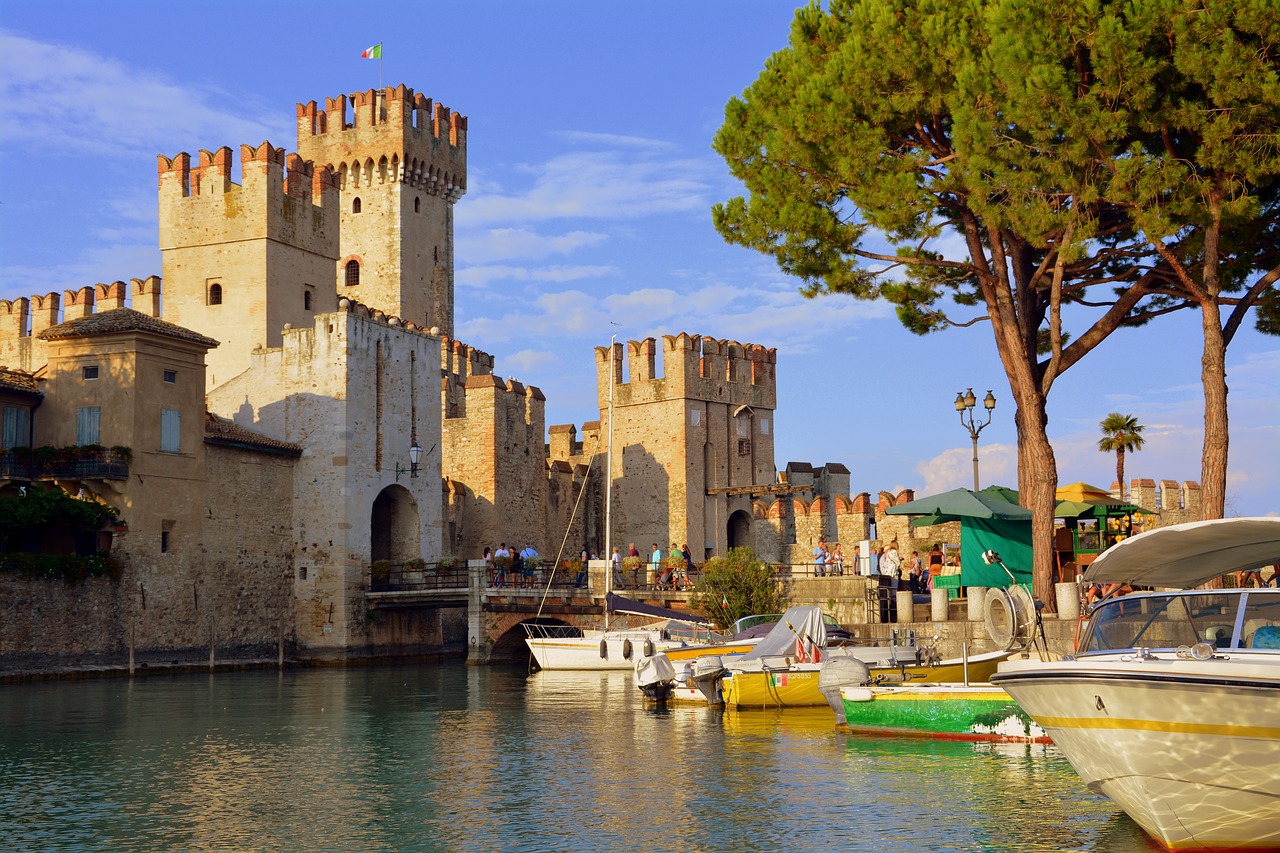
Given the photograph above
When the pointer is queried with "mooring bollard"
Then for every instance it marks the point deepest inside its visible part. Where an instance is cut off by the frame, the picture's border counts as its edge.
(906, 606)
(1068, 600)
(938, 604)
(977, 603)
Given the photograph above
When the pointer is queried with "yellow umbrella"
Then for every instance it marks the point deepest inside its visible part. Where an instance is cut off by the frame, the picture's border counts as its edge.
(1083, 492)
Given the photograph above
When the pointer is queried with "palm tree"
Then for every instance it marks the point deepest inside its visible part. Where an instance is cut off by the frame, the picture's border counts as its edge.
(1120, 433)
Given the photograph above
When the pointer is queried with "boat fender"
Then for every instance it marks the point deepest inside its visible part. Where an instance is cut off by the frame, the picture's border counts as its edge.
(604, 650)
(858, 694)
(626, 650)
(648, 647)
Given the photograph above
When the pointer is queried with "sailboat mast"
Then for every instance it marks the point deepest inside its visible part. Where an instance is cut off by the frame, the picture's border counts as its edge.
(608, 491)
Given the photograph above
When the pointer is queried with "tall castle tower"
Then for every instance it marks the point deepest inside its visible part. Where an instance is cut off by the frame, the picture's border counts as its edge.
(401, 163)
(243, 261)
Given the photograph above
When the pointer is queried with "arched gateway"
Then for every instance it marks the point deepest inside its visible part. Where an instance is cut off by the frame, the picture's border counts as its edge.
(395, 533)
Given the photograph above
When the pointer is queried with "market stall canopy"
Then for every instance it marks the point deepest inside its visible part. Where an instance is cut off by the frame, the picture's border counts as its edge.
(960, 504)
(988, 521)
(1080, 499)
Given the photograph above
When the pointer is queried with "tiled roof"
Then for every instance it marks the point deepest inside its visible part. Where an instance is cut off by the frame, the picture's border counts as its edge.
(219, 431)
(119, 320)
(18, 380)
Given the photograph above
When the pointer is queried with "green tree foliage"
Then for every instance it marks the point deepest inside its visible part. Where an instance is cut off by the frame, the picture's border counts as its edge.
(1081, 156)
(738, 585)
(1121, 434)
(45, 509)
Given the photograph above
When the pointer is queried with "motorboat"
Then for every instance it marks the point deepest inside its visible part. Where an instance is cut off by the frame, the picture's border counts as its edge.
(563, 647)
(1170, 704)
(973, 712)
(656, 678)
(784, 668)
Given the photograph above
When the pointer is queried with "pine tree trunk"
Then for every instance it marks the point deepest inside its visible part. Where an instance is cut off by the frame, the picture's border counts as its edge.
(1037, 486)
(1213, 375)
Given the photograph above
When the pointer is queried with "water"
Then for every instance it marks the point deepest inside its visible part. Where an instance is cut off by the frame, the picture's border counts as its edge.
(454, 758)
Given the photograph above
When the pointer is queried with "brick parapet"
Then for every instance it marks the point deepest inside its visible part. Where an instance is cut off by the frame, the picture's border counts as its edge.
(693, 367)
(421, 143)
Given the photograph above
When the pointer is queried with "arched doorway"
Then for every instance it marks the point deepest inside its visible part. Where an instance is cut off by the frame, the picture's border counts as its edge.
(394, 532)
(740, 530)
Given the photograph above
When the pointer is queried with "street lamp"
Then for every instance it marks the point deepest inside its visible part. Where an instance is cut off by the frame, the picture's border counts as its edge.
(965, 403)
(415, 456)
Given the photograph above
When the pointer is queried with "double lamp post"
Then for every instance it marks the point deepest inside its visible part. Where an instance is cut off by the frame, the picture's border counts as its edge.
(965, 404)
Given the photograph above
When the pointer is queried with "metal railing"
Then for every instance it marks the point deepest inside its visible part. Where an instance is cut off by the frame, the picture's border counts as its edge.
(103, 465)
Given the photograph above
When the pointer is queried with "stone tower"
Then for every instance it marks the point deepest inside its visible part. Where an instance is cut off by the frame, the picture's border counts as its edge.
(401, 163)
(693, 443)
(242, 262)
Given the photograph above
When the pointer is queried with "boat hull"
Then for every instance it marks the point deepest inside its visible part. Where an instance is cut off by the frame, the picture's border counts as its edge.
(945, 711)
(621, 650)
(1189, 749)
(797, 685)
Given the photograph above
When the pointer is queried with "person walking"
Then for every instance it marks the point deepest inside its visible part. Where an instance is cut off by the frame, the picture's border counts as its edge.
(615, 566)
(820, 558)
(891, 564)
(655, 564)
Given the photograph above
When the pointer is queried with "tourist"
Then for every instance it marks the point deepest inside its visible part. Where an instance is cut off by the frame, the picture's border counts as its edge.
(679, 575)
(873, 562)
(615, 566)
(635, 571)
(891, 564)
(583, 558)
(820, 558)
(837, 561)
(496, 578)
(915, 569)
(655, 563)
(935, 566)
(688, 564)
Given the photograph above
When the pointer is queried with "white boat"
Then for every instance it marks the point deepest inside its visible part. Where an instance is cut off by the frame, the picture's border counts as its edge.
(561, 647)
(1171, 704)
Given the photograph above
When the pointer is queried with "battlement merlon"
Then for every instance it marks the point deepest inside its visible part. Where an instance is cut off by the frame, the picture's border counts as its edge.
(694, 367)
(458, 361)
(398, 108)
(259, 164)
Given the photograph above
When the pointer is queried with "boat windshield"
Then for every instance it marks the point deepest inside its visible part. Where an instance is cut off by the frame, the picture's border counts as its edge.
(1166, 621)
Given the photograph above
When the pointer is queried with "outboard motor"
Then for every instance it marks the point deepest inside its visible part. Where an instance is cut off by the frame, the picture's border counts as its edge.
(656, 677)
(837, 674)
(706, 677)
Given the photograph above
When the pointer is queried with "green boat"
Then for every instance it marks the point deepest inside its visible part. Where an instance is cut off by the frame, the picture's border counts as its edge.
(979, 712)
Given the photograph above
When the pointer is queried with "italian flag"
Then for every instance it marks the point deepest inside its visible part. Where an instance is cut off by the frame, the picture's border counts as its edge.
(374, 52)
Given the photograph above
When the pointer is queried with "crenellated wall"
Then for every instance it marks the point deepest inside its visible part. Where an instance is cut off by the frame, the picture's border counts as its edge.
(23, 319)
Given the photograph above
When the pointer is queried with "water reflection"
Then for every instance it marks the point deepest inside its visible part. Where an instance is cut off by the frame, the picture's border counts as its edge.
(447, 758)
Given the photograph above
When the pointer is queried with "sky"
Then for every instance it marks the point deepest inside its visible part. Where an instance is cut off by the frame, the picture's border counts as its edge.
(590, 183)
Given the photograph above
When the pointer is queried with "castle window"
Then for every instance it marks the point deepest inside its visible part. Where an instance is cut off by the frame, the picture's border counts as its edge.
(215, 294)
(355, 205)
(89, 372)
(306, 300)
(353, 273)
(171, 377)
(744, 447)
(164, 541)
(170, 431)
(88, 419)
(417, 205)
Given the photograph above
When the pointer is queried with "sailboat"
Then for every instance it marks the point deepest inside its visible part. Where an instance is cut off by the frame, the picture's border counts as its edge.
(563, 647)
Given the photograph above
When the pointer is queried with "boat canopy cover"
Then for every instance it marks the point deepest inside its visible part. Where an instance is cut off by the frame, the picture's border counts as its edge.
(618, 604)
(797, 623)
(1183, 556)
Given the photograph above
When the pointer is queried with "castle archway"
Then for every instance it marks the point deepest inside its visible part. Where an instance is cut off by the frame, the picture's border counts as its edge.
(394, 531)
(740, 530)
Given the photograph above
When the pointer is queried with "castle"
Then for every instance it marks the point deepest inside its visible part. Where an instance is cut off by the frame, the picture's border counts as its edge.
(286, 405)
(262, 395)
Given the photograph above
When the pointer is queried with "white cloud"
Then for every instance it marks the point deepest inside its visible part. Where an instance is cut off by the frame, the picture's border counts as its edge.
(528, 360)
(69, 98)
(953, 469)
(501, 244)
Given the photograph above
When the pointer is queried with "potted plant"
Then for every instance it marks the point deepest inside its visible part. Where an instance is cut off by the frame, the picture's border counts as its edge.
(413, 569)
(380, 571)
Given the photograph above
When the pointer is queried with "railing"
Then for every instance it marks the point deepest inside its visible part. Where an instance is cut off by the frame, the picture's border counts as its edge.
(98, 465)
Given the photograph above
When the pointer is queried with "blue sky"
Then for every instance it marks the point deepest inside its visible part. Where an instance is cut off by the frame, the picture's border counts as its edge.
(591, 179)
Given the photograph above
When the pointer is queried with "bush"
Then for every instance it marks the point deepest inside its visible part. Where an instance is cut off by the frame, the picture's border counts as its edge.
(67, 567)
(632, 564)
(738, 585)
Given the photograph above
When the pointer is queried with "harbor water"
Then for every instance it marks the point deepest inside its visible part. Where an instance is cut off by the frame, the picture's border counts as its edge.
(451, 758)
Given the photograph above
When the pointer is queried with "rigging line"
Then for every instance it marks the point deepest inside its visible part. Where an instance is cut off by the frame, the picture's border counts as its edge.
(546, 591)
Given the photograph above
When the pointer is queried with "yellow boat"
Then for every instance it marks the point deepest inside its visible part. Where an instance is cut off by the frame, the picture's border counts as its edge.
(796, 684)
